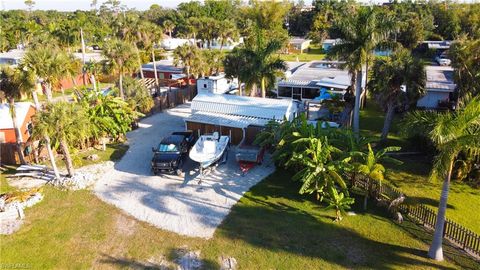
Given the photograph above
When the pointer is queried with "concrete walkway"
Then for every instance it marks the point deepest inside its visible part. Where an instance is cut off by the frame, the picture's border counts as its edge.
(174, 203)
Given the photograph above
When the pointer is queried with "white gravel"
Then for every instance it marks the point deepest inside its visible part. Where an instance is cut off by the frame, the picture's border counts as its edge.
(177, 204)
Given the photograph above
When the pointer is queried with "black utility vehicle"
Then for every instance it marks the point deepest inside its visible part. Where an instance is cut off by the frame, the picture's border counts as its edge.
(171, 153)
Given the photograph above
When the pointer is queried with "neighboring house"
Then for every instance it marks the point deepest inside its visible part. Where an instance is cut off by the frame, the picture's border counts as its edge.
(171, 44)
(90, 56)
(229, 44)
(24, 112)
(166, 70)
(217, 84)
(440, 87)
(306, 81)
(432, 45)
(327, 44)
(237, 116)
(298, 45)
(12, 57)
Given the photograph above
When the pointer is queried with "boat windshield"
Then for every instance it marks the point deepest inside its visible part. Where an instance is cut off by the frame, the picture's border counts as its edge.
(167, 147)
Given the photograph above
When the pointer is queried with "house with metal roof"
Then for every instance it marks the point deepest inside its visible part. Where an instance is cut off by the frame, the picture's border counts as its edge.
(237, 116)
(12, 57)
(298, 44)
(305, 82)
(439, 85)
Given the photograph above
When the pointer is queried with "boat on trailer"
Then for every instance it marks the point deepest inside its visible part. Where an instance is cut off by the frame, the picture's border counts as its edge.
(209, 149)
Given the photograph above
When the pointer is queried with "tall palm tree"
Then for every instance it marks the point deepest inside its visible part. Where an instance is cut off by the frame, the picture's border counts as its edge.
(192, 27)
(14, 83)
(47, 64)
(121, 58)
(233, 65)
(226, 31)
(138, 33)
(261, 67)
(452, 133)
(361, 32)
(389, 75)
(168, 25)
(66, 123)
(186, 55)
(71, 68)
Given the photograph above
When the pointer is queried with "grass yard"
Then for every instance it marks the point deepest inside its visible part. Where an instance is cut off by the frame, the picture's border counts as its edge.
(272, 227)
(302, 57)
(412, 176)
(113, 152)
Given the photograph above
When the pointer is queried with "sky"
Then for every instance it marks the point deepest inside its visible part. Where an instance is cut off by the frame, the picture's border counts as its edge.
(71, 5)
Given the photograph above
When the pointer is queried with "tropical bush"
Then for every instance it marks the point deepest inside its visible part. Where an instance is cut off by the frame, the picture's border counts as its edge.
(324, 158)
(108, 115)
(137, 96)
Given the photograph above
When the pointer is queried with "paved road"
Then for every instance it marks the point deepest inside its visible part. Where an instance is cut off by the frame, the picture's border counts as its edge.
(174, 203)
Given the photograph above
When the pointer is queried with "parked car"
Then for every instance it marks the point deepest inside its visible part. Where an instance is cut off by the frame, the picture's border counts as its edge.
(443, 60)
(171, 153)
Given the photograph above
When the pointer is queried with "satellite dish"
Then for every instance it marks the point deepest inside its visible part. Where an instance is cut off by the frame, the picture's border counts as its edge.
(403, 88)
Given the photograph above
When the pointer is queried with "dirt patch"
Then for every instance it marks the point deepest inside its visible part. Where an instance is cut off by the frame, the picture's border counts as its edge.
(125, 226)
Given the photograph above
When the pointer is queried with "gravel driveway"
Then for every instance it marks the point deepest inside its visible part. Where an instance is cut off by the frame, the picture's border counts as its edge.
(176, 203)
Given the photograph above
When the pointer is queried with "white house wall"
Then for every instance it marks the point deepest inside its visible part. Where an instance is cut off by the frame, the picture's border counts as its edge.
(431, 99)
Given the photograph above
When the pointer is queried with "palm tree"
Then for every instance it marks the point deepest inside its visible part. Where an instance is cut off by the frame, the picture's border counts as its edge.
(14, 83)
(71, 68)
(233, 65)
(452, 133)
(192, 27)
(227, 30)
(186, 55)
(121, 58)
(371, 167)
(389, 75)
(168, 25)
(93, 68)
(66, 123)
(361, 32)
(48, 66)
(138, 33)
(261, 66)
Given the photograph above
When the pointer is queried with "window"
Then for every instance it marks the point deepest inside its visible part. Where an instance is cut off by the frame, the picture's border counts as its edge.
(171, 76)
(310, 93)
(167, 148)
(29, 128)
(205, 85)
(284, 91)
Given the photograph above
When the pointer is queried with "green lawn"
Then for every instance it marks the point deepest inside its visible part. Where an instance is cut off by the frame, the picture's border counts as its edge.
(272, 227)
(412, 176)
(113, 152)
(302, 57)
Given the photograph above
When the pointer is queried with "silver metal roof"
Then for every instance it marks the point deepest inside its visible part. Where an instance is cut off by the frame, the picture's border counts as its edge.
(226, 120)
(163, 66)
(440, 79)
(262, 108)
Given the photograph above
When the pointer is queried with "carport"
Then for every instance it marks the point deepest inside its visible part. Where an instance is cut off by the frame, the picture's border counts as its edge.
(239, 128)
(239, 117)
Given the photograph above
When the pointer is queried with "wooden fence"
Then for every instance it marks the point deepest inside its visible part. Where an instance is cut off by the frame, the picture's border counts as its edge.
(173, 97)
(458, 235)
(9, 155)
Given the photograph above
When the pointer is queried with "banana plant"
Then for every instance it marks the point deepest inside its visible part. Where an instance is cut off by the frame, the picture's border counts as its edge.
(339, 202)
